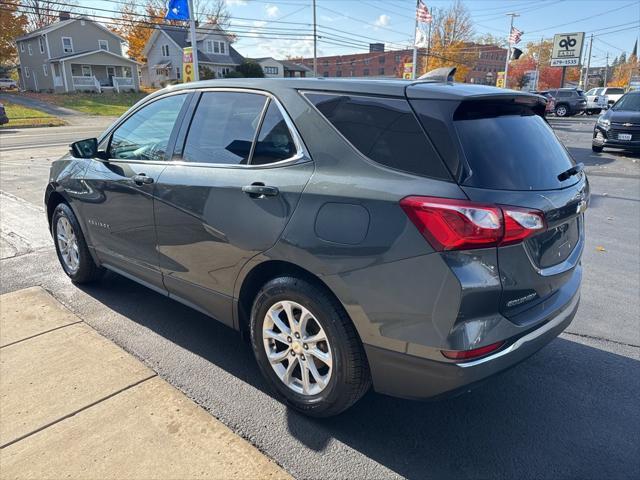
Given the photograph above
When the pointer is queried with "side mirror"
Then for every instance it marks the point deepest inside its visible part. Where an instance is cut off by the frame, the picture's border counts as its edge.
(85, 148)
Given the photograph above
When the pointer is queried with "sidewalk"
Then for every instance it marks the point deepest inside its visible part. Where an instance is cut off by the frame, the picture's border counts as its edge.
(75, 405)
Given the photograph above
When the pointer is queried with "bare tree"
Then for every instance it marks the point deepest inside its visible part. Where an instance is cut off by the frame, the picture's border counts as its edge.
(41, 13)
(206, 11)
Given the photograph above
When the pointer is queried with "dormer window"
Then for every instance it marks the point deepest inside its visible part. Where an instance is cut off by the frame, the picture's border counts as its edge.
(165, 50)
(213, 46)
(103, 45)
(67, 45)
(41, 43)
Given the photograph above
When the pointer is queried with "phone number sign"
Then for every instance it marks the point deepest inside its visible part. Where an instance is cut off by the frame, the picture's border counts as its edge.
(567, 49)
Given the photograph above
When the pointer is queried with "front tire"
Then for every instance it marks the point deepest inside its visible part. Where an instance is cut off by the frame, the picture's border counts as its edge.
(71, 247)
(307, 347)
(596, 148)
(562, 111)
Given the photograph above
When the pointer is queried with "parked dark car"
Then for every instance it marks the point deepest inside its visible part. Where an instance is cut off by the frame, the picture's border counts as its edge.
(619, 127)
(3, 115)
(569, 101)
(419, 237)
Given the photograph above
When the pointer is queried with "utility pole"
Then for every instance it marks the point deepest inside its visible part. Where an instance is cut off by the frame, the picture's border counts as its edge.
(428, 48)
(538, 64)
(582, 62)
(606, 70)
(315, 42)
(415, 49)
(194, 43)
(586, 78)
(506, 66)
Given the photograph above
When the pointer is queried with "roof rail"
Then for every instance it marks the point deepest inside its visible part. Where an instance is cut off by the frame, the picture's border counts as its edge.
(440, 75)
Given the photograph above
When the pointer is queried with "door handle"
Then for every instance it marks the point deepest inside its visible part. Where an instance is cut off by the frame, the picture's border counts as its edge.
(142, 179)
(260, 190)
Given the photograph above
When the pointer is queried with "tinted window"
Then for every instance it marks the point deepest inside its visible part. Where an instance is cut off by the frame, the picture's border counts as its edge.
(223, 128)
(563, 93)
(513, 152)
(145, 134)
(274, 141)
(383, 129)
(615, 91)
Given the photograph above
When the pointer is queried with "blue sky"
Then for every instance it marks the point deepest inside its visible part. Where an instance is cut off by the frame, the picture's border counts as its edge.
(347, 26)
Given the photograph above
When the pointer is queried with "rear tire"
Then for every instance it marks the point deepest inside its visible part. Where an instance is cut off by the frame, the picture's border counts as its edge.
(285, 349)
(71, 247)
(562, 111)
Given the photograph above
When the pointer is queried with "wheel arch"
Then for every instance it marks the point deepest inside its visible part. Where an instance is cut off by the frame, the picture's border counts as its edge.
(258, 276)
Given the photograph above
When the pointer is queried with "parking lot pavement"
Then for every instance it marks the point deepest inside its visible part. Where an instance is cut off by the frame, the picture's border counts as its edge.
(74, 405)
(569, 411)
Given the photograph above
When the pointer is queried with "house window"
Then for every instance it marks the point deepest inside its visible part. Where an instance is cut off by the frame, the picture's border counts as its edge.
(353, 62)
(86, 71)
(325, 63)
(67, 45)
(381, 71)
(339, 73)
(271, 70)
(325, 74)
(165, 50)
(30, 51)
(178, 73)
(397, 58)
(22, 47)
(27, 72)
(103, 45)
(367, 61)
(45, 71)
(82, 22)
(41, 43)
(381, 60)
(366, 72)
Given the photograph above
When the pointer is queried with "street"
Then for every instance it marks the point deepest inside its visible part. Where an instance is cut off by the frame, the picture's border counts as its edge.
(571, 410)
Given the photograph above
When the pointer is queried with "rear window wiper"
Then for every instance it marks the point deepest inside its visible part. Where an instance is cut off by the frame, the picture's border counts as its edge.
(576, 169)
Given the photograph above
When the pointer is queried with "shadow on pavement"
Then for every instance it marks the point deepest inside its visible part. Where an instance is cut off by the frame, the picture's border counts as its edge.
(567, 412)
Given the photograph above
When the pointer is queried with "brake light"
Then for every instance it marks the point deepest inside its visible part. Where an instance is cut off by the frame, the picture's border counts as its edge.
(471, 354)
(449, 224)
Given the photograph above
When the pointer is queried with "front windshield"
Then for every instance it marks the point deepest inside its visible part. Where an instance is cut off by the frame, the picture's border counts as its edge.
(630, 102)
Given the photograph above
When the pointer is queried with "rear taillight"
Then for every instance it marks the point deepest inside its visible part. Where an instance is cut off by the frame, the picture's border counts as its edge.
(462, 355)
(450, 224)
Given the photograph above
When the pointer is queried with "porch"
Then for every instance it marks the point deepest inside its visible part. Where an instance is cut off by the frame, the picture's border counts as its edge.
(102, 77)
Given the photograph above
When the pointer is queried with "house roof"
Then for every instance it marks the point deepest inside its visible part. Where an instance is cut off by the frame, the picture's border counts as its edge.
(90, 52)
(54, 26)
(180, 37)
(294, 67)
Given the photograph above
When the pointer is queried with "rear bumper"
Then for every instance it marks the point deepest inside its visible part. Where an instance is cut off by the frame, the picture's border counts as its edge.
(412, 377)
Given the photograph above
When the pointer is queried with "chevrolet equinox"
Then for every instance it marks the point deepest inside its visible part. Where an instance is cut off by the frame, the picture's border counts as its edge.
(416, 237)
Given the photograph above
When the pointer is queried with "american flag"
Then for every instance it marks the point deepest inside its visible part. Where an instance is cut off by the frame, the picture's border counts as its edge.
(422, 13)
(514, 38)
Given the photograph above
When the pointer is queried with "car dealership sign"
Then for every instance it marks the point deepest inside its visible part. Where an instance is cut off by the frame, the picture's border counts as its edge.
(567, 49)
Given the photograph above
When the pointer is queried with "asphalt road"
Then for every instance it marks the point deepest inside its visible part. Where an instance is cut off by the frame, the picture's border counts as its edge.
(570, 411)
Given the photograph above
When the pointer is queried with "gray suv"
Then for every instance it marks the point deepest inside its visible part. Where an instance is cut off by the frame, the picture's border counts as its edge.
(418, 237)
(569, 101)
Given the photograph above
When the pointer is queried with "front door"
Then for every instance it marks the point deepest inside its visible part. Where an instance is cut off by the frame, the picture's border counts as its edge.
(230, 197)
(111, 72)
(118, 205)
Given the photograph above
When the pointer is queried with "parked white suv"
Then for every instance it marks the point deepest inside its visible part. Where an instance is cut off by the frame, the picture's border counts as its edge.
(7, 83)
(613, 94)
(596, 101)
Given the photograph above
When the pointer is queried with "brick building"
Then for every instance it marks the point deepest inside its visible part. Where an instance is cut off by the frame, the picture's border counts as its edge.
(489, 59)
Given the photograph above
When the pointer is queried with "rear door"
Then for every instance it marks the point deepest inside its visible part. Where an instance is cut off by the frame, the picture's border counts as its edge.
(236, 177)
(507, 154)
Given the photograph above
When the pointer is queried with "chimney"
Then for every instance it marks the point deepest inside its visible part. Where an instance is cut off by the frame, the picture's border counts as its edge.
(64, 16)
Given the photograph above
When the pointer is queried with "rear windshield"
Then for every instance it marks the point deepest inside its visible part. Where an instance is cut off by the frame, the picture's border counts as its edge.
(615, 91)
(512, 152)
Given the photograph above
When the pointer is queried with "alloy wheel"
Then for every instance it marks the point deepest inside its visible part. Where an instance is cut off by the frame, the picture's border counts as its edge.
(68, 244)
(297, 348)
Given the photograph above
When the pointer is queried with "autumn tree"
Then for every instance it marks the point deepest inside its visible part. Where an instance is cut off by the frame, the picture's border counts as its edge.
(451, 32)
(624, 70)
(12, 25)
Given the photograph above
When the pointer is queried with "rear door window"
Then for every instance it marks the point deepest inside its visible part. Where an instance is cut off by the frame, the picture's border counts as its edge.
(514, 151)
(274, 142)
(383, 129)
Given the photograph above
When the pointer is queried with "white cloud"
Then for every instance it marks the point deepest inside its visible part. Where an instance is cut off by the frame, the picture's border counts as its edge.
(382, 21)
(234, 3)
(272, 10)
